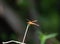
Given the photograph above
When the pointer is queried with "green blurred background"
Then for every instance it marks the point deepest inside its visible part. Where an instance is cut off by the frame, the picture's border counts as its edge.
(47, 12)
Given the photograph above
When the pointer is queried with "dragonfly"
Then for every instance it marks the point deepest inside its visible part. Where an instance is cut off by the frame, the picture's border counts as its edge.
(33, 22)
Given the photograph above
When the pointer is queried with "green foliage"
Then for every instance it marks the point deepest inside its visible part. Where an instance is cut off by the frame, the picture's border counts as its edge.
(44, 37)
(3, 36)
(13, 37)
(23, 3)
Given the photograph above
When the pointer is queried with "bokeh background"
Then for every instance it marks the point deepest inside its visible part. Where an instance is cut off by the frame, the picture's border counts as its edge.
(14, 15)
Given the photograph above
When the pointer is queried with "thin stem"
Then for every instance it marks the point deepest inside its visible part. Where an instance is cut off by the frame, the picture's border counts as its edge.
(25, 33)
